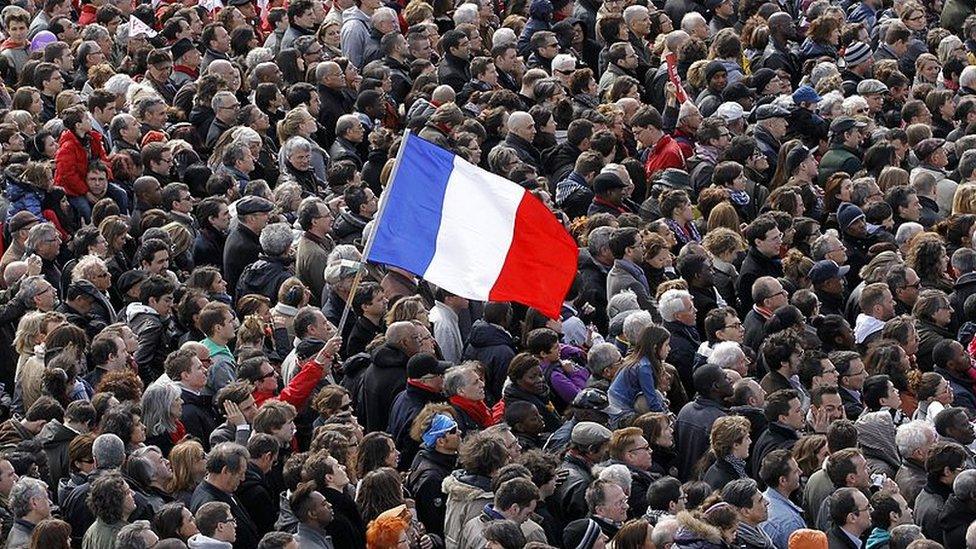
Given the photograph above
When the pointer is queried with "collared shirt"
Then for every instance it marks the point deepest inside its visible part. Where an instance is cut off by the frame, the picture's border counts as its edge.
(854, 539)
(784, 519)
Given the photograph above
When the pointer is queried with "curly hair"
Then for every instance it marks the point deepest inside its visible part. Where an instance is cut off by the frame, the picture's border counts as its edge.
(925, 254)
(124, 384)
(121, 421)
(105, 500)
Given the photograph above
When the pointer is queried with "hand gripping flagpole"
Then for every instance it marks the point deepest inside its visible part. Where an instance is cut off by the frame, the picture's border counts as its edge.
(384, 199)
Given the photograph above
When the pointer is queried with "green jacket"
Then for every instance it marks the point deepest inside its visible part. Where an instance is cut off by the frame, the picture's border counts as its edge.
(838, 159)
(101, 535)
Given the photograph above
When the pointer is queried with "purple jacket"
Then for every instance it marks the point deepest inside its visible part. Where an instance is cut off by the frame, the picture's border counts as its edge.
(565, 386)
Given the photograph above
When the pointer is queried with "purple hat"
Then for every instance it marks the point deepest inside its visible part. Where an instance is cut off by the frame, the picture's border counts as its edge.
(42, 39)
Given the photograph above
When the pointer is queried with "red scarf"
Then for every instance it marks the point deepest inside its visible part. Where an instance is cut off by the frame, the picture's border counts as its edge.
(476, 409)
(180, 432)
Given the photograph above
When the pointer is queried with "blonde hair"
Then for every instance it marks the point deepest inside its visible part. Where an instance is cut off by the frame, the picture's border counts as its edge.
(181, 459)
(31, 326)
(892, 176)
(727, 432)
(964, 201)
(407, 309)
(288, 126)
(180, 236)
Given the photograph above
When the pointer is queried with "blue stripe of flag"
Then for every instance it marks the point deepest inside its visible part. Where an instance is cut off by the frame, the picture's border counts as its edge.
(406, 235)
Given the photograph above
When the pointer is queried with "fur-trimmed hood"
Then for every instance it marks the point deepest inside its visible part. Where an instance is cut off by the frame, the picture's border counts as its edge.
(695, 533)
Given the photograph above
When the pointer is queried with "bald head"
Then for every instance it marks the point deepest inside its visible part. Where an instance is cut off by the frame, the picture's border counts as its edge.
(443, 94)
(15, 271)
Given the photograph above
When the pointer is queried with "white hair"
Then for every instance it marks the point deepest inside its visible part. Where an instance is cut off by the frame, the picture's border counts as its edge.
(633, 12)
(465, 13)
(821, 71)
(384, 14)
(691, 20)
(563, 61)
(906, 231)
(626, 300)
(913, 435)
(118, 84)
(257, 56)
(964, 487)
(968, 77)
(671, 303)
(852, 104)
(503, 35)
(618, 474)
(635, 323)
(828, 100)
(725, 354)
(518, 119)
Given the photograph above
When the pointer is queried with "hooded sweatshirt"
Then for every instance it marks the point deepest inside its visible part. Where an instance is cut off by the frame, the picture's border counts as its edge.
(200, 541)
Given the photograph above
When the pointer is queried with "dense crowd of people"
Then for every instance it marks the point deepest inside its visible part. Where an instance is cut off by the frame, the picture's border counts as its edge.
(769, 342)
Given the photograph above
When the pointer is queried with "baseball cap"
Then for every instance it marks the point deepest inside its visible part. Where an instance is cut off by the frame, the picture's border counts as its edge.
(826, 269)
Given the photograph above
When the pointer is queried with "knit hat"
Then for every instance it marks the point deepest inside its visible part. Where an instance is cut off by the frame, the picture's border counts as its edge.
(847, 214)
(581, 534)
(607, 182)
(153, 136)
(713, 68)
(761, 78)
(926, 147)
(805, 538)
(130, 279)
(440, 425)
(796, 157)
(856, 53)
(180, 47)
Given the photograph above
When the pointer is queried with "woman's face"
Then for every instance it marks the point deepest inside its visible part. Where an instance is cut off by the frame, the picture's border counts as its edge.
(834, 38)
(532, 381)
(665, 232)
(664, 350)
(138, 431)
(307, 127)
(930, 71)
(331, 36)
(198, 468)
(352, 77)
(188, 528)
(550, 126)
(35, 106)
(50, 147)
(393, 457)
(660, 260)
(666, 438)
(15, 143)
(176, 408)
(219, 285)
(944, 394)
(846, 186)
(739, 183)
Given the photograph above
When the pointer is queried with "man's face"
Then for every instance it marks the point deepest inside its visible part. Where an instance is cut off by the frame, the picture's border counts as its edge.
(321, 512)
(795, 417)
(639, 454)
(962, 430)
(943, 316)
(55, 84)
(97, 182)
(833, 406)
(159, 263)
(616, 505)
(196, 377)
(164, 305)
(228, 327)
(778, 298)
(862, 515)
(759, 511)
(7, 477)
(156, 118)
(792, 480)
(17, 31)
(463, 49)
(221, 40)
(687, 315)
(770, 245)
(908, 293)
(506, 61)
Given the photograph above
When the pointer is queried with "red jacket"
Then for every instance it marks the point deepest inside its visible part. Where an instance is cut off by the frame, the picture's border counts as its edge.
(665, 154)
(71, 161)
(87, 15)
(299, 389)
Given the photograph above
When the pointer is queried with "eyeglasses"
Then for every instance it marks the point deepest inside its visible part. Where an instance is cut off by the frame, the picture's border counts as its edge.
(733, 325)
(272, 373)
(640, 449)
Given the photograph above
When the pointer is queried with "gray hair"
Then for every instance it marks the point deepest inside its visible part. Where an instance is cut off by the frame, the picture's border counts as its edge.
(131, 535)
(626, 300)
(499, 156)
(220, 99)
(338, 267)
(229, 455)
(144, 451)
(725, 354)
(618, 474)
(14, 271)
(633, 12)
(909, 229)
(156, 403)
(400, 330)
(602, 356)
(671, 303)
(383, 14)
(93, 31)
(235, 152)
(967, 162)
(30, 288)
(457, 377)
(108, 451)
(913, 435)
(295, 144)
(326, 68)
(968, 77)
(635, 323)
(257, 56)
(465, 13)
(828, 100)
(739, 492)
(23, 491)
(276, 239)
(118, 84)
(142, 106)
(964, 260)
(964, 487)
(691, 19)
(39, 232)
(904, 534)
(505, 36)
(83, 268)
(345, 123)
(598, 239)
(664, 531)
(119, 121)
(821, 71)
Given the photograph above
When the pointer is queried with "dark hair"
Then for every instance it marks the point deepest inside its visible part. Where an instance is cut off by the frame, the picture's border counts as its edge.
(775, 465)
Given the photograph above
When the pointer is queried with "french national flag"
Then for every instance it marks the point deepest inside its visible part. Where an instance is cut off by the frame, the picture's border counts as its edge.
(471, 232)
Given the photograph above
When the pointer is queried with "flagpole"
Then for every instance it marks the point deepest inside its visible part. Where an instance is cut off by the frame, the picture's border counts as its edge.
(384, 199)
